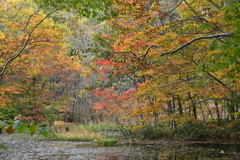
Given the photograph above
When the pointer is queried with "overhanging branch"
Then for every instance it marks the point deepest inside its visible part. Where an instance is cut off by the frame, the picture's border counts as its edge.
(196, 39)
(184, 45)
(25, 43)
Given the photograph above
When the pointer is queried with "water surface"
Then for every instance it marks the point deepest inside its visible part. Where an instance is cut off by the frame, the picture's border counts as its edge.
(27, 149)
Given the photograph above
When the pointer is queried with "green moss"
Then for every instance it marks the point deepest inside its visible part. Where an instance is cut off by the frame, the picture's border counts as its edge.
(107, 141)
(85, 138)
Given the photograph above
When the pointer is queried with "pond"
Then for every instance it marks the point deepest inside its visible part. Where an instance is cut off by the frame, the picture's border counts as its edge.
(187, 152)
(178, 152)
(25, 149)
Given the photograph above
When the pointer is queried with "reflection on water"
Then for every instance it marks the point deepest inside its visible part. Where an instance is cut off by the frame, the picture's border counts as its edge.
(186, 152)
(69, 150)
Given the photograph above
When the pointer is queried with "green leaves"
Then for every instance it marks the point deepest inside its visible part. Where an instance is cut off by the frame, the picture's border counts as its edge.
(21, 126)
(33, 128)
(87, 8)
(206, 26)
(43, 131)
(3, 147)
(17, 124)
(4, 124)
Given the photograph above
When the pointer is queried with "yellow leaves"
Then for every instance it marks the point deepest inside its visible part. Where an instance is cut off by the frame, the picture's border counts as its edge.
(183, 40)
(12, 1)
(82, 93)
(184, 119)
(155, 7)
(236, 85)
(9, 129)
(149, 72)
(86, 72)
(166, 42)
(137, 127)
(164, 78)
(2, 36)
(234, 123)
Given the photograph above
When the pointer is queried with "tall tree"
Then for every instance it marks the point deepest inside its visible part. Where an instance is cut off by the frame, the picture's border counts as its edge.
(182, 54)
(41, 72)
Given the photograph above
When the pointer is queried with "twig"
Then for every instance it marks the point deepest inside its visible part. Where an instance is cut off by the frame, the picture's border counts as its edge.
(223, 84)
(26, 42)
(198, 38)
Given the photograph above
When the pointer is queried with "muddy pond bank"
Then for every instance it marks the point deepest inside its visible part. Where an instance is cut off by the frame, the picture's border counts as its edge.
(35, 147)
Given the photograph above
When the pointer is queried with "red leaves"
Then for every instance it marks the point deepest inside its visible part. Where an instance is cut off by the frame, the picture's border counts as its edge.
(104, 67)
(103, 62)
(98, 92)
(105, 36)
(35, 113)
(32, 118)
(11, 90)
(66, 109)
(113, 101)
(127, 92)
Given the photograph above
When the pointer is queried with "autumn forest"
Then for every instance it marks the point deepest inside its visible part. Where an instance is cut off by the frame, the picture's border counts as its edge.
(154, 68)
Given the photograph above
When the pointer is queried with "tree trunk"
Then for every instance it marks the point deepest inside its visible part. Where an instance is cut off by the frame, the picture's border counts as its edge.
(218, 113)
(193, 105)
(180, 110)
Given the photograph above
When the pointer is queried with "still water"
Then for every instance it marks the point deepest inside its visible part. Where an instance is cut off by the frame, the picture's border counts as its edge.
(179, 152)
(27, 149)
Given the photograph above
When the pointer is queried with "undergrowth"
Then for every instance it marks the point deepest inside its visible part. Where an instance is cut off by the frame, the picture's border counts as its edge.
(72, 132)
(190, 131)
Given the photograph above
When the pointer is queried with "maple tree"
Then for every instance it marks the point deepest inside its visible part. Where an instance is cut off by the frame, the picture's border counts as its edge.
(154, 62)
(41, 72)
(180, 56)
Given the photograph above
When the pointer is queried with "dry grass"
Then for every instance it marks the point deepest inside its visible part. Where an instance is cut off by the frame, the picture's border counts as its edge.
(68, 131)
(74, 132)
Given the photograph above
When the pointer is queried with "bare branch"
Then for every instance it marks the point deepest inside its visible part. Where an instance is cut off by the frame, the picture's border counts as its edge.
(184, 45)
(194, 12)
(153, 46)
(223, 84)
(215, 4)
(201, 18)
(196, 39)
(26, 42)
(148, 49)
(179, 3)
(210, 99)
(42, 21)
(28, 21)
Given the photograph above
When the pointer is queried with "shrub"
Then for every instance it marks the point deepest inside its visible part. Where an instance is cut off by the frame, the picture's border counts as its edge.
(61, 127)
(197, 130)
(161, 130)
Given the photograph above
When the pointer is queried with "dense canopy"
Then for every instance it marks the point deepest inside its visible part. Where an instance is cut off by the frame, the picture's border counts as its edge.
(142, 64)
